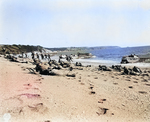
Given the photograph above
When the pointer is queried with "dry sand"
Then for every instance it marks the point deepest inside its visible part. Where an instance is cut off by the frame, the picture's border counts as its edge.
(91, 96)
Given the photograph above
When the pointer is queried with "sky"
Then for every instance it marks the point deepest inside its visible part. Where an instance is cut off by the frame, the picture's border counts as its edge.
(75, 23)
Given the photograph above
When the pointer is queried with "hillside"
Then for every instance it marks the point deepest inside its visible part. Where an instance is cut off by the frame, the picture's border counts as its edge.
(16, 49)
(80, 48)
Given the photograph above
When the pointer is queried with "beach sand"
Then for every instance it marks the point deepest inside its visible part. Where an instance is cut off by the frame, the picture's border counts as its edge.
(90, 96)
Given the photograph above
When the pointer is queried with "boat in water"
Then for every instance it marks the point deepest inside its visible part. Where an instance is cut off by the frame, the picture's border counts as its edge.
(135, 58)
(84, 55)
(130, 59)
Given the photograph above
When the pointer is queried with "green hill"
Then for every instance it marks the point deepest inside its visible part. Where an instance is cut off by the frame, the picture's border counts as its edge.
(16, 49)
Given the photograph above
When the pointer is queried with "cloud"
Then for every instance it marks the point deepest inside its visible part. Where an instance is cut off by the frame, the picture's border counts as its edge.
(58, 5)
(145, 4)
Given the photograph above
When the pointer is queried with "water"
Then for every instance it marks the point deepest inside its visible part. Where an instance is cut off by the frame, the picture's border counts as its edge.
(115, 55)
(109, 56)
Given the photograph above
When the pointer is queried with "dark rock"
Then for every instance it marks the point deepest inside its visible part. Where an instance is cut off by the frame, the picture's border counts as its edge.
(104, 68)
(92, 92)
(44, 70)
(126, 71)
(136, 69)
(102, 111)
(130, 86)
(71, 75)
(78, 64)
(70, 68)
(117, 67)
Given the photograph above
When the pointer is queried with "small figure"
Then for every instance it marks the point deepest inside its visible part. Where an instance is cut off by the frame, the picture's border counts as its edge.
(32, 55)
(37, 55)
(22, 54)
(45, 55)
(26, 55)
(42, 56)
(49, 57)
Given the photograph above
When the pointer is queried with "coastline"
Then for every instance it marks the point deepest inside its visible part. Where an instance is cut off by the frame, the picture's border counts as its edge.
(90, 96)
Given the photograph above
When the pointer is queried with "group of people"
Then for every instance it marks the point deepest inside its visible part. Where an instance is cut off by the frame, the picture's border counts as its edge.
(68, 58)
(43, 56)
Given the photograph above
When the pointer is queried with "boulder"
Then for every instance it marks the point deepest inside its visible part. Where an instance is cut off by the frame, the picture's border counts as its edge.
(136, 69)
(117, 67)
(78, 64)
(126, 71)
(104, 68)
(42, 69)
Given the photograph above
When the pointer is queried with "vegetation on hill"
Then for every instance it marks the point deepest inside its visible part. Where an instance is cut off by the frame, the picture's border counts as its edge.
(81, 48)
(16, 49)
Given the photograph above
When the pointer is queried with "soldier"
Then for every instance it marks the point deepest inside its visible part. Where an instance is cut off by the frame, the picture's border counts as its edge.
(26, 55)
(70, 58)
(49, 57)
(22, 54)
(37, 55)
(32, 55)
(4, 51)
(60, 57)
(42, 56)
(67, 58)
(45, 55)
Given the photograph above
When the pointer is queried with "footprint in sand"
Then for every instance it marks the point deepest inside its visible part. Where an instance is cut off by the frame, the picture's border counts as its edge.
(92, 92)
(101, 100)
(30, 96)
(38, 82)
(95, 77)
(91, 87)
(142, 92)
(82, 83)
(102, 111)
(115, 83)
(147, 84)
(135, 82)
(144, 80)
(128, 80)
(30, 86)
(39, 107)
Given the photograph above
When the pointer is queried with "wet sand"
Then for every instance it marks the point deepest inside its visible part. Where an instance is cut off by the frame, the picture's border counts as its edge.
(90, 96)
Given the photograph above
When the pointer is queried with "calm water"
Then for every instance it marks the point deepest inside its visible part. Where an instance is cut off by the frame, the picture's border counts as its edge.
(115, 55)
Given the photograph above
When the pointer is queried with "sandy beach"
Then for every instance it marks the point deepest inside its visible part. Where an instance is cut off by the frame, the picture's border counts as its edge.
(90, 96)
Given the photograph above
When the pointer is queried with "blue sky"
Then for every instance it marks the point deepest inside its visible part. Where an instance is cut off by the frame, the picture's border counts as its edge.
(64, 23)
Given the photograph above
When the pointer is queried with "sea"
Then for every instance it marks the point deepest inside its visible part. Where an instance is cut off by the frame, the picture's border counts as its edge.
(109, 56)
(114, 55)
